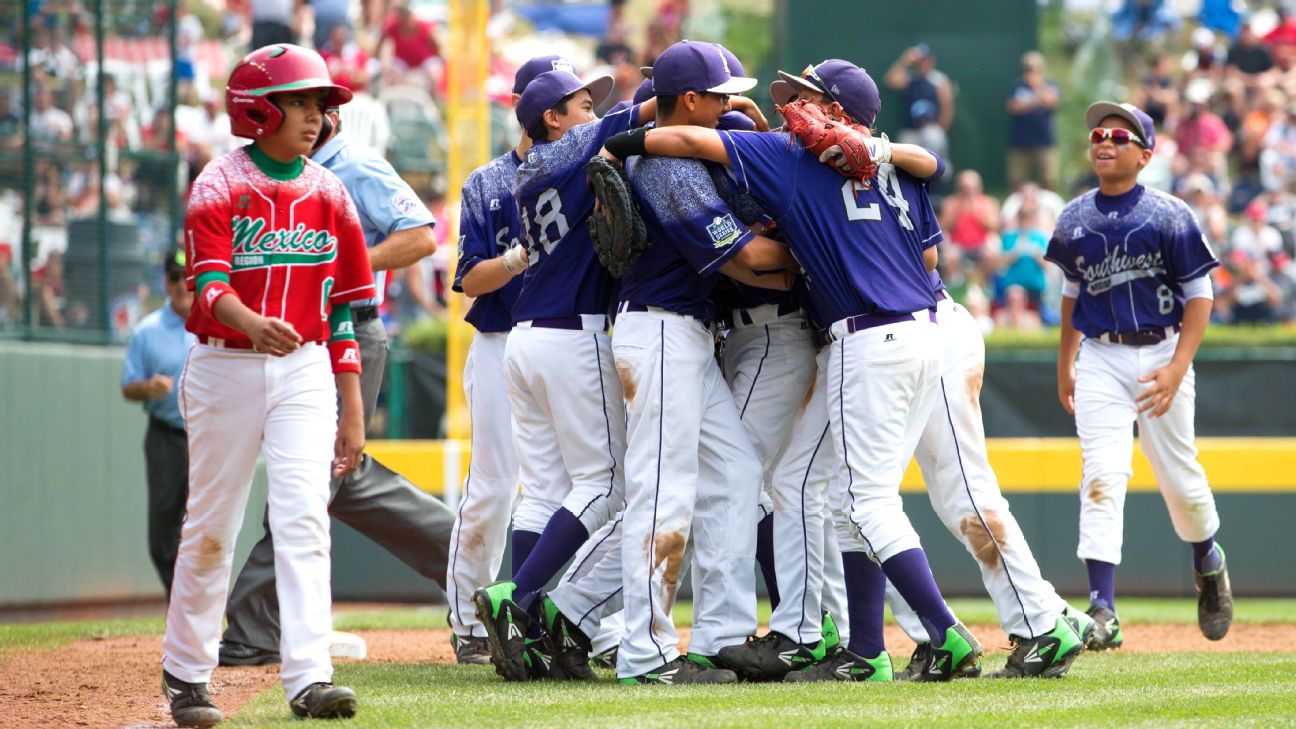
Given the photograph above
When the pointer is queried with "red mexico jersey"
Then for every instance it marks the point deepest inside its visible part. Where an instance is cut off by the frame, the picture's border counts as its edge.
(293, 249)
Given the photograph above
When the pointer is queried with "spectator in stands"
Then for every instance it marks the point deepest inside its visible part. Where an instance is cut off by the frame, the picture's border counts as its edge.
(1202, 130)
(409, 46)
(1278, 154)
(10, 122)
(329, 14)
(1203, 57)
(347, 61)
(48, 198)
(1256, 125)
(1016, 314)
(1220, 15)
(1282, 39)
(914, 74)
(1247, 54)
(1157, 93)
(1020, 259)
(1049, 205)
(47, 282)
(50, 125)
(1251, 297)
(1032, 101)
(1207, 204)
(50, 55)
(970, 219)
(1255, 237)
(1144, 20)
(276, 21)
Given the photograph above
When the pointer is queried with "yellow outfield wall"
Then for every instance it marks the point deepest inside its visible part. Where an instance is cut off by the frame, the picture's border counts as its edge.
(1032, 465)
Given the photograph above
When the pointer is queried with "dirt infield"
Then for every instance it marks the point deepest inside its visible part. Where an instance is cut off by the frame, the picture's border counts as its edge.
(116, 682)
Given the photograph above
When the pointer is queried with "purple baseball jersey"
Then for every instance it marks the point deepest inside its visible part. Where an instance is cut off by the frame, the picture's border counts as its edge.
(693, 234)
(1130, 254)
(861, 250)
(488, 226)
(554, 200)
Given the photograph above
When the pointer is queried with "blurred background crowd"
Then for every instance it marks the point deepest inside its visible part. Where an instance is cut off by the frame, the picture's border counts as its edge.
(1218, 76)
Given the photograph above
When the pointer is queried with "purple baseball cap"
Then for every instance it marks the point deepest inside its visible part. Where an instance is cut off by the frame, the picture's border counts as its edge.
(735, 65)
(527, 72)
(546, 90)
(736, 121)
(1102, 109)
(644, 92)
(838, 80)
(689, 66)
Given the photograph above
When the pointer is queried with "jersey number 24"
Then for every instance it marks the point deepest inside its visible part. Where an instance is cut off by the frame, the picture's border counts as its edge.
(888, 185)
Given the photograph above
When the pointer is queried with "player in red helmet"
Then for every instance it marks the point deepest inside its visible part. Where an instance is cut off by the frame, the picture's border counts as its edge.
(274, 252)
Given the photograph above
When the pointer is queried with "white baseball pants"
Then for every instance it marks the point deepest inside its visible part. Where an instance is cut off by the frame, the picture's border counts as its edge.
(691, 471)
(882, 385)
(964, 490)
(237, 403)
(569, 424)
(481, 524)
(1106, 387)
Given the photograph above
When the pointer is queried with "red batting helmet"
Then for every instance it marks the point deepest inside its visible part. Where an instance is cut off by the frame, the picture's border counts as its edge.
(271, 70)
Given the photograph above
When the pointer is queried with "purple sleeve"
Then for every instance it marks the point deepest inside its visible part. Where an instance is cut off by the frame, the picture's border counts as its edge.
(765, 166)
(683, 198)
(1188, 255)
(929, 230)
(1058, 253)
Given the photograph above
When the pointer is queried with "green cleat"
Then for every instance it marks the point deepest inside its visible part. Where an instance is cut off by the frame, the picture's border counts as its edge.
(1081, 623)
(842, 665)
(1107, 631)
(506, 628)
(680, 671)
(567, 644)
(775, 654)
(1214, 600)
(831, 635)
(960, 654)
(1048, 656)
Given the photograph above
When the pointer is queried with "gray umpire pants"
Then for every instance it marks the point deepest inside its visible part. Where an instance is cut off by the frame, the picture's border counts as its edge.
(374, 500)
(166, 455)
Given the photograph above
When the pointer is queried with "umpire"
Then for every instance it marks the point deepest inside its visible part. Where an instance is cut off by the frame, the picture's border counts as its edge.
(155, 358)
(374, 500)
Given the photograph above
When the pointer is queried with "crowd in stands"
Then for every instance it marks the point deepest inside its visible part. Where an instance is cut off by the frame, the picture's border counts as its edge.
(1221, 88)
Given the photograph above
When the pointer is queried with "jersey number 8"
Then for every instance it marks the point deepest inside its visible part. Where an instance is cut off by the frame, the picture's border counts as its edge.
(548, 213)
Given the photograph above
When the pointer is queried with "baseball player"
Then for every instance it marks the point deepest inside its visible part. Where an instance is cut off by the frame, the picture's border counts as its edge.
(155, 358)
(1135, 304)
(569, 416)
(490, 259)
(275, 254)
(692, 471)
(374, 500)
(865, 267)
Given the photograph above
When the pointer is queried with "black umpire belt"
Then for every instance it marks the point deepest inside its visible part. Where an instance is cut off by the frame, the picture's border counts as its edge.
(1141, 338)
(362, 314)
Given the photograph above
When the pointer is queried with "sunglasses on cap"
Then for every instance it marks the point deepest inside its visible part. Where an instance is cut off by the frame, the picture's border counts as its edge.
(809, 75)
(1119, 137)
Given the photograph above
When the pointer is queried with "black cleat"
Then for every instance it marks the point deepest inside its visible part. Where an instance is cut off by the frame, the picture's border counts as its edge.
(191, 705)
(324, 701)
(681, 671)
(842, 665)
(1214, 600)
(1047, 656)
(506, 629)
(241, 654)
(776, 655)
(568, 646)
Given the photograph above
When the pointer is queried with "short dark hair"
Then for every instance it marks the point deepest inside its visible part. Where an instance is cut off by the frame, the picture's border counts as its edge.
(666, 104)
(539, 132)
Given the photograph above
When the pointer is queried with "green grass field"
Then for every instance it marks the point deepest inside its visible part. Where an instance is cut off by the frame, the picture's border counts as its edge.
(1125, 689)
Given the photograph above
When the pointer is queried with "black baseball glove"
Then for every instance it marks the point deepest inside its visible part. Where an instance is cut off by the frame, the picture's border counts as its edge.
(615, 225)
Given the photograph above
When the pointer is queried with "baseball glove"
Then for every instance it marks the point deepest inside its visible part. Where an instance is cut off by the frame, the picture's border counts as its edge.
(848, 147)
(615, 226)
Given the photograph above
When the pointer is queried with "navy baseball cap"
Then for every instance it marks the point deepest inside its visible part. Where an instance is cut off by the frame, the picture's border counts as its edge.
(546, 90)
(1137, 117)
(735, 65)
(538, 65)
(736, 121)
(643, 93)
(688, 66)
(838, 80)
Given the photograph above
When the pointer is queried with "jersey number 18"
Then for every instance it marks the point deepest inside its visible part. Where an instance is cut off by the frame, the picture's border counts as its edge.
(548, 214)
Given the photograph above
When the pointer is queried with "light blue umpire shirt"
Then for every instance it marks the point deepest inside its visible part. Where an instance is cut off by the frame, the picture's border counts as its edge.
(159, 346)
(386, 202)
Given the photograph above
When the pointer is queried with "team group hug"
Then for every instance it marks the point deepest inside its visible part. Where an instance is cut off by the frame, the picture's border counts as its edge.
(745, 394)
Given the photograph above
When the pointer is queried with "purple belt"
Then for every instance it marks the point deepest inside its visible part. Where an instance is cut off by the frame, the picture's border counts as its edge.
(860, 322)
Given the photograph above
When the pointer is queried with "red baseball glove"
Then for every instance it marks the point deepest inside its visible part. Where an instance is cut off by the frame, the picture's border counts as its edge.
(848, 147)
